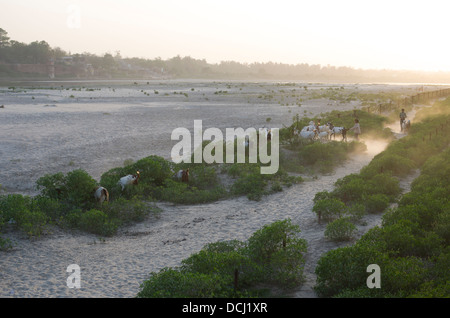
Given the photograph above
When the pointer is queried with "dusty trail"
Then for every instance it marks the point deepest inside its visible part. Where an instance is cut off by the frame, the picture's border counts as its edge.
(371, 220)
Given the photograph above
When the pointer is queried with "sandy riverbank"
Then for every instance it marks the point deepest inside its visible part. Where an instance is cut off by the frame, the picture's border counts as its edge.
(97, 130)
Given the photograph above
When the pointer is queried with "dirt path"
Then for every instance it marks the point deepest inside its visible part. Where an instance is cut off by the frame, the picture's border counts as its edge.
(371, 220)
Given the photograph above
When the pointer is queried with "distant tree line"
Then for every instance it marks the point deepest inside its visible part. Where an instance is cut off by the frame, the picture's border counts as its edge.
(40, 52)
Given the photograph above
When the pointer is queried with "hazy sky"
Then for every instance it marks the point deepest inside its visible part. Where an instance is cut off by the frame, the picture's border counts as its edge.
(393, 34)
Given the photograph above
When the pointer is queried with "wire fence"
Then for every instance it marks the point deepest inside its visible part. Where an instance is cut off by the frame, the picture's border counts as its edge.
(408, 101)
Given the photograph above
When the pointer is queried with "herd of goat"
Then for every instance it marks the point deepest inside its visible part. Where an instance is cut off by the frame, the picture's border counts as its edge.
(101, 194)
(311, 132)
(321, 132)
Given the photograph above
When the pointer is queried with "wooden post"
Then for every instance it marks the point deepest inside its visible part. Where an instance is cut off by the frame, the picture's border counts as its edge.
(236, 278)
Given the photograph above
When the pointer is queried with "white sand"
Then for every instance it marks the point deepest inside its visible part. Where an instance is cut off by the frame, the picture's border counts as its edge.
(54, 132)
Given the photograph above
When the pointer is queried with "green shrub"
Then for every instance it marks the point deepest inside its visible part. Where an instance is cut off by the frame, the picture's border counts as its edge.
(384, 184)
(97, 222)
(252, 185)
(33, 223)
(230, 262)
(278, 249)
(356, 212)
(52, 185)
(124, 211)
(442, 225)
(376, 203)
(53, 208)
(178, 192)
(171, 283)
(388, 162)
(351, 188)
(153, 169)
(276, 187)
(329, 209)
(340, 230)
(345, 268)
(76, 188)
(431, 290)
(73, 219)
(5, 244)
(272, 255)
(403, 275)
(20, 210)
(322, 196)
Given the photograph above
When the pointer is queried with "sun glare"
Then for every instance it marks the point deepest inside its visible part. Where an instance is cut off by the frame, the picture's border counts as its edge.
(360, 34)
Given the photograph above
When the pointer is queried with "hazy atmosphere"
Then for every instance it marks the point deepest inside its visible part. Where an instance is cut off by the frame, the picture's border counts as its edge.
(100, 99)
(360, 34)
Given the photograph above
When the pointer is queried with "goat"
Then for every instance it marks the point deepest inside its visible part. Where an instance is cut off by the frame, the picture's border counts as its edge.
(338, 130)
(324, 135)
(101, 194)
(406, 125)
(129, 179)
(309, 128)
(308, 134)
(183, 175)
(323, 128)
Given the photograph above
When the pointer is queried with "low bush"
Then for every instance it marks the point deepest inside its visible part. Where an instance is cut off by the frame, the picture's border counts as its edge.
(411, 247)
(272, 255)
(329, 209)
(278, 249)
(97, 222)
(376, 203)
(345, 268)
(20, 211)
(172, 283)
(356, 212)
(76, 188)
(341, 229)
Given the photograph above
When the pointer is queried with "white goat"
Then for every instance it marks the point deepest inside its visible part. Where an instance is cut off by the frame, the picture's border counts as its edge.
(308, 134)
(324, 128)
(324, 135)
(101, 194)
(338, 130)
(406, 125)
(129, 179)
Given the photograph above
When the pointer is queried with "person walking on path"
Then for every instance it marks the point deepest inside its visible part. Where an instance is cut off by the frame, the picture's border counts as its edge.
(402, 119)
(356, 129)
